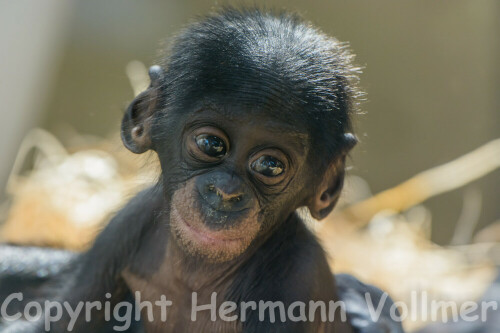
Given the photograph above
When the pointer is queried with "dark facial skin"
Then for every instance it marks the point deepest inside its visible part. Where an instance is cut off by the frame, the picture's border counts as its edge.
(242, 172)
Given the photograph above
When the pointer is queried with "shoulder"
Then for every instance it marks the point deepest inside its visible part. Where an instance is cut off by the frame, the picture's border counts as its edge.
(291, 257)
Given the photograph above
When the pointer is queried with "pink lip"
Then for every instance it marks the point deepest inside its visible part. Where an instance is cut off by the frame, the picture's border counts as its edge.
(205, 236)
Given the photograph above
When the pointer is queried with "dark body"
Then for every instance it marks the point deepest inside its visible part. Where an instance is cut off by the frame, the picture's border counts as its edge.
(250, 118)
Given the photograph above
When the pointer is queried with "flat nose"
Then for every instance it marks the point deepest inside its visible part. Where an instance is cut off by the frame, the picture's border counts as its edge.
(223, 191)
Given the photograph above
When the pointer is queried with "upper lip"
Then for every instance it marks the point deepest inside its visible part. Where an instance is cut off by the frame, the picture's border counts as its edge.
(219, 216)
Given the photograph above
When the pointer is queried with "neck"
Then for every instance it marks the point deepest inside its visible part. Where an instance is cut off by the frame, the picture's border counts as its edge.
(198, 272)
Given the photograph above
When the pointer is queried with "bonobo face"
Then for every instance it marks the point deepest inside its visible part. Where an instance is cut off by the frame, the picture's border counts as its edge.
(232, 112)
(239, 174)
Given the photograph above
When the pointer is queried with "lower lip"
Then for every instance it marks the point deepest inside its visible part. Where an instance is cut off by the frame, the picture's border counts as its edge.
(205, 236)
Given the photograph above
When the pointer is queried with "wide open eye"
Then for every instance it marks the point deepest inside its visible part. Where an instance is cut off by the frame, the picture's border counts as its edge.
(211, 145)
(268, 166)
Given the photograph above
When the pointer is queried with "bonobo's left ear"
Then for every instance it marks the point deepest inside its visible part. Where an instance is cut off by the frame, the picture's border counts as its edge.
(137, 121)
(329, 189)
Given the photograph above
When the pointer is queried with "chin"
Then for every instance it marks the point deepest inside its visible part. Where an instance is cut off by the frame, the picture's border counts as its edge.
(191, 231)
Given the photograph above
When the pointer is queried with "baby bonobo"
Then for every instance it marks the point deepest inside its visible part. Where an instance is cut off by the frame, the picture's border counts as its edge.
(250, 118)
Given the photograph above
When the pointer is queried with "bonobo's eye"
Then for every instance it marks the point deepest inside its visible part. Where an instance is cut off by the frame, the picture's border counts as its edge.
(268, 166)
(208, 144)
(211, 145)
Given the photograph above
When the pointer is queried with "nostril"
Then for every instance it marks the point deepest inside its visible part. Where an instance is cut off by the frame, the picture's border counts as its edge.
(235, 199)
(222, 194)
(226, 197)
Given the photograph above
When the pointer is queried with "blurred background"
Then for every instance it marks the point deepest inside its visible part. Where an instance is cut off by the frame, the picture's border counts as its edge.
(431, 73)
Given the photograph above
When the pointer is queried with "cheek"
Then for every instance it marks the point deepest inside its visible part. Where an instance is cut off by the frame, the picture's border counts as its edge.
(191, 233)
(283, 205)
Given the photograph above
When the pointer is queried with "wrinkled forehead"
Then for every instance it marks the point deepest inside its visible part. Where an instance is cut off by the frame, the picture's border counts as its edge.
(272, 118)
(259, 121)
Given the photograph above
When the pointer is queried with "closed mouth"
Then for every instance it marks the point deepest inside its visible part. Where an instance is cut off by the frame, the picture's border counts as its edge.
(203, 234)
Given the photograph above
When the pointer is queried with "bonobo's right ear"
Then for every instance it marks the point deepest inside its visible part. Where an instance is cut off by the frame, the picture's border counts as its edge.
(328, 192)
(137, 121)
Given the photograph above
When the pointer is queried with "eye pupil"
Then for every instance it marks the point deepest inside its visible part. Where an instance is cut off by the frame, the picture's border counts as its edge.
(211, 145)
(268, 166)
